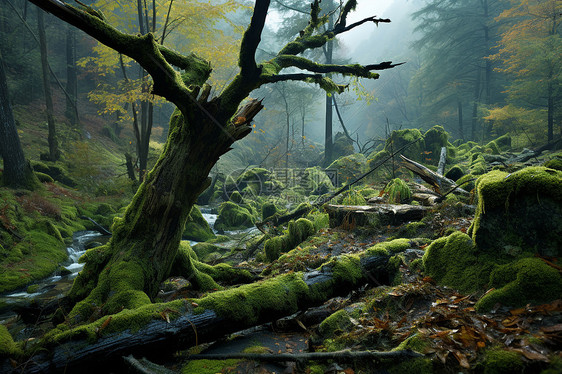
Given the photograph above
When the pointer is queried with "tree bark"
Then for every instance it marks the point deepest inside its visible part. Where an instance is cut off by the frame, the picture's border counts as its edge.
(17, 171)
(54, 152)
(71, 78)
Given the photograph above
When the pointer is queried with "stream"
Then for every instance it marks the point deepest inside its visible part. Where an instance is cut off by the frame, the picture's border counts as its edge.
(55, 286)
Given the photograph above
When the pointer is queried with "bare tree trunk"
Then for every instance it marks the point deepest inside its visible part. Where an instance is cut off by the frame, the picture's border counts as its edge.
(54, 152)
(474, 122)
(71, 79)
(328, 140)
(17, 171)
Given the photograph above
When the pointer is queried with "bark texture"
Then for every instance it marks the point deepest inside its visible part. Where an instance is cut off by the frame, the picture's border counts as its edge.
(17, 171)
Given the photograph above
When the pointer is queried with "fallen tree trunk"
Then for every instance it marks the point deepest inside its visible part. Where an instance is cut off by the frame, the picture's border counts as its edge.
(438, 181)
(374, 215)
(158, 329)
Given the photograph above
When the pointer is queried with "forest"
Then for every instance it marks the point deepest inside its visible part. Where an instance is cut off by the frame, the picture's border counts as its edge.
(281, 186)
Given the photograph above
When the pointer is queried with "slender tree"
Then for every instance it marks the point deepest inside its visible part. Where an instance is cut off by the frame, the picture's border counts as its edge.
(54, 152)
(126, 272)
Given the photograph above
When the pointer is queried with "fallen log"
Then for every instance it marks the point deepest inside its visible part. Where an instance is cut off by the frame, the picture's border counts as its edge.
(439, 182)
(369, 215)
(346, 356)
(158, 329)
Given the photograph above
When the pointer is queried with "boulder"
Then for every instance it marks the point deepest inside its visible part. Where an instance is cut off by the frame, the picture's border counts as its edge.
(519, 212)
(196, 228)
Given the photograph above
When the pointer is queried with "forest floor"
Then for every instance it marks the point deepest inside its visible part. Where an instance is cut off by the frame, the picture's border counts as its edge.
(412, 312)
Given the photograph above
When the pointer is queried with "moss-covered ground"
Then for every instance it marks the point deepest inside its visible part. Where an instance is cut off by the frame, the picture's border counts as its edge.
(469, 288)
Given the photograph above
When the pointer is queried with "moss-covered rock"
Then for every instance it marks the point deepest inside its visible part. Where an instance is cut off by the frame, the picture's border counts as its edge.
(343, 146)
(258, 181)
(399, 138)
(389, 248)
(499, 361)
(233, 217)
(454, 173)
(196, 228)
(316, 182)
(349, 168)
(268, 209)
(335, 324)
(434, 139)
(555, 163)
(454, 261)
(299, 231)
(521, 210)
(207, 252)
(528, 280)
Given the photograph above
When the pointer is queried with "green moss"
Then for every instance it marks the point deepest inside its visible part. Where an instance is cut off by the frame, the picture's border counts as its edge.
(399, 138)
(299, 230)
(8, 348)
(477, 164)
(345, 269)
(498, 361)
(389, 248)
(268, 209)
(465, 182)
(555, 163)
(233, 217)
(504, 142)
(335, 324)
(528, 280)
(492, 148)
(454, 261)
(416, 365)
(455, 173)
(522, 209)
(319, 220)
(316, 182)
(415, 343)
(44, 178)
(35, 257)
(127, 319)
(210, 366)
(352, 197)
(349, 168)
(435, 138)
(397, 191)
(248, 303)
(196, 228)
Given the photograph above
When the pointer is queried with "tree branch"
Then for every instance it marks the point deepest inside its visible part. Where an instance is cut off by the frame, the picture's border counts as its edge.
(340, 27)
(326, 84)
(252, 38)
(285, 61)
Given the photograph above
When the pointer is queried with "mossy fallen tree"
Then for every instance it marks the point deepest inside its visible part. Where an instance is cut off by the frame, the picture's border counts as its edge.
(156, 329)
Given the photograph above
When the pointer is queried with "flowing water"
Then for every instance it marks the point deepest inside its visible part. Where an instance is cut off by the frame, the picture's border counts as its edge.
(55, 285)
